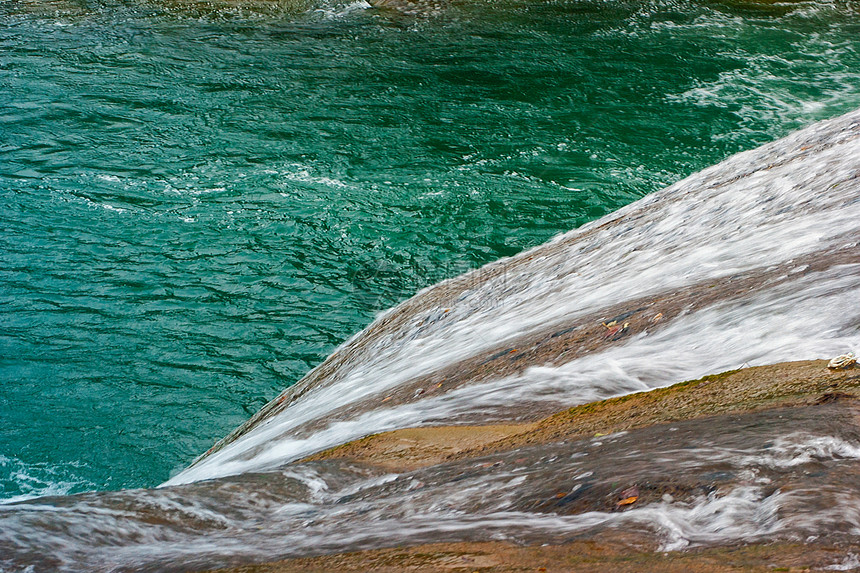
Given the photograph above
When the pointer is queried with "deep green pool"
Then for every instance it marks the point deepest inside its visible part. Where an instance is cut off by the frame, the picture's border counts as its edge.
(199, 204)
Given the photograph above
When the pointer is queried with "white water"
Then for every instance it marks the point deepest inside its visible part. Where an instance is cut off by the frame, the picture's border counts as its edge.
(37, 480)
(756, 210)
(315, 509)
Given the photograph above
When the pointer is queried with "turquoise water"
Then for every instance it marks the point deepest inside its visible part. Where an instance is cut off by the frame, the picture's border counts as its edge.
(199, 204)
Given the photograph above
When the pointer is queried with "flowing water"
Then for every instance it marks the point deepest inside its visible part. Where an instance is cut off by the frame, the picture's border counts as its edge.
(782, 474)
(772, 275)
(201, 202)
(754, 260)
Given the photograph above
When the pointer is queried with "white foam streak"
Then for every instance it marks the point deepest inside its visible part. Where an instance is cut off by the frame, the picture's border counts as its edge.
(850, 563)
(742, 513)
(771, 327)
(799, 449)
(37, 480)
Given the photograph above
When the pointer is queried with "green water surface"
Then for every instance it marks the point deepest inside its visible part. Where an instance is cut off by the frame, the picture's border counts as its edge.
(198, 204)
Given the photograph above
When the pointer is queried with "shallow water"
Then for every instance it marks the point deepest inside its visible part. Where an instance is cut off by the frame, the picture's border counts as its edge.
(786, 474)
(200, 203)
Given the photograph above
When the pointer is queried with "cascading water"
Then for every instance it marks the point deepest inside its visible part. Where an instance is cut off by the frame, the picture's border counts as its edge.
(202, 199)
(772, 233)
(752, 261)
